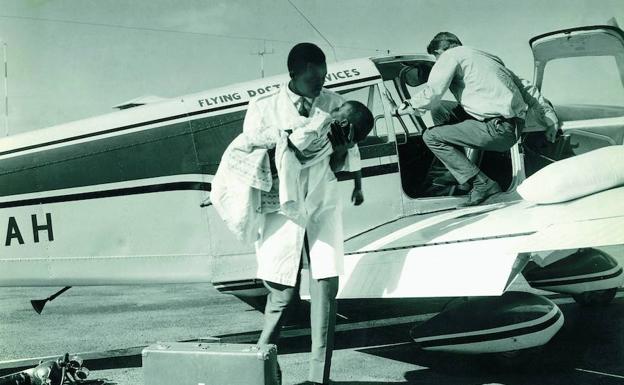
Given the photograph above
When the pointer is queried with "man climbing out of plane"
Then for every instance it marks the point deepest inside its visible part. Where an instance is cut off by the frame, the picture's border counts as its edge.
(490, 114)
(283, 244)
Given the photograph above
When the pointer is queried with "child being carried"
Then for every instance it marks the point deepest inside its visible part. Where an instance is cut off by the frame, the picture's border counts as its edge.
(309, 139)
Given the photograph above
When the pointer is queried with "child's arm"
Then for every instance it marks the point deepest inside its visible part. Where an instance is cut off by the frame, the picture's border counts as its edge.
(357, 197)
(337, 160)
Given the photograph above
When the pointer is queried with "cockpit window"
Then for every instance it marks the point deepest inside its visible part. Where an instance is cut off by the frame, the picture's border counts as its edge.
(585, 80)
(371, 97)
(412, 80)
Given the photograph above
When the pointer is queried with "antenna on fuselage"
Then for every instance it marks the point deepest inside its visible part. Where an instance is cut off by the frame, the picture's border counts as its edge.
(6, 88)
(38, 304)
(261, 53)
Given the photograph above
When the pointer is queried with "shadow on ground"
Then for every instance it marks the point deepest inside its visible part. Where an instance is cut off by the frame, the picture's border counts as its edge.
(589, 349)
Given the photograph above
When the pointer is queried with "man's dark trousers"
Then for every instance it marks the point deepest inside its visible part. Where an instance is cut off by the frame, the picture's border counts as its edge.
(458, 129)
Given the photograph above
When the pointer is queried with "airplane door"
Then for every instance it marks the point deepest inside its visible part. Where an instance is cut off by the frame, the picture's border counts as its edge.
(417, 165)
(581, 71)
(420, 171)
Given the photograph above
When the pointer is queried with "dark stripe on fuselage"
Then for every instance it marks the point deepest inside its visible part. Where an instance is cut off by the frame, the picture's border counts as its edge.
(575, 281)
(173, 186)
(222, 289)
(460, 340)
(156, 121)
(238, 282)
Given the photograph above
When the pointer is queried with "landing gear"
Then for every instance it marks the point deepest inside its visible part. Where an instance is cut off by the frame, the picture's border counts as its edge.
(595, 297)
(506, 325)
(514, 359)
(591, 276)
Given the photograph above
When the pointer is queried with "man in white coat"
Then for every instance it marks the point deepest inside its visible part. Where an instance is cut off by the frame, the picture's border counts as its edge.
(283, 244)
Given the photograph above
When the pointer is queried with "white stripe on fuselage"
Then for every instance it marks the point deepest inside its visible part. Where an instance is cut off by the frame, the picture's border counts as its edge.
(552, 313)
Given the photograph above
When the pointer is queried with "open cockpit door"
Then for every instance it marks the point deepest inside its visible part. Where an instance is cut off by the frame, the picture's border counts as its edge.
(581, 72)
(601, 40)
(426, 184)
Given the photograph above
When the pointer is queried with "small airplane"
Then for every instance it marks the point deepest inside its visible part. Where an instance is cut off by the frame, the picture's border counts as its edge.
(117, 199)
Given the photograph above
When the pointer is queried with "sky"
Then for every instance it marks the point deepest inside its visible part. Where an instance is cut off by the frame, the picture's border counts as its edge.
(72, 59)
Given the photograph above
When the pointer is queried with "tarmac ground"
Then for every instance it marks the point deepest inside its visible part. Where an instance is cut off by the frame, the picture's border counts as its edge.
(589, 349)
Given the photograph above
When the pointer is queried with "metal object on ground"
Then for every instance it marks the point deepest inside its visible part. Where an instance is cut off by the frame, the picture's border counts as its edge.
(38, 304)
(64, 370)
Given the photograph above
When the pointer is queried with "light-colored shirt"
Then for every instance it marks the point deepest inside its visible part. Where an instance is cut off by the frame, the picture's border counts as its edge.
(298, 99)
(482, 84)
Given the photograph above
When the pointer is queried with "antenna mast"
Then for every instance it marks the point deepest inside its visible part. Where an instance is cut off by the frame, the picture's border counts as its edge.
(261, 53)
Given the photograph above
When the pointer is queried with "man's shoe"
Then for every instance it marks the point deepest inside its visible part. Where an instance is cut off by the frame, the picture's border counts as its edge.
(482, 188)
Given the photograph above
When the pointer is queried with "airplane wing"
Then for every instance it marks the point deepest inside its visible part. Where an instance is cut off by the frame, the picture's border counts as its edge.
(475, 251)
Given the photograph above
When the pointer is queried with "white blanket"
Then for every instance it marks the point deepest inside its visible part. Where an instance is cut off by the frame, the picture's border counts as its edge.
(244, 172)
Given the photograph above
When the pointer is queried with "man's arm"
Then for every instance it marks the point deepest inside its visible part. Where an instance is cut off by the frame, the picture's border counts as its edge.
(308, 130)
(536, 102)
(255, 128)
(253, 118)
(438, 83)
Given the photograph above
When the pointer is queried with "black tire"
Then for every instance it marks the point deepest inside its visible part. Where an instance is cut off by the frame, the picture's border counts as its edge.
(595, 298)
(516, 360)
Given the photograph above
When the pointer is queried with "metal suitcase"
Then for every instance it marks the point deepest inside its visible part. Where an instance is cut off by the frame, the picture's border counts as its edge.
(192, 363)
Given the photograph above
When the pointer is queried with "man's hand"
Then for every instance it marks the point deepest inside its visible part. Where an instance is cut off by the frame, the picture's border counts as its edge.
(405, 108)
(357, 197)
(551, 133)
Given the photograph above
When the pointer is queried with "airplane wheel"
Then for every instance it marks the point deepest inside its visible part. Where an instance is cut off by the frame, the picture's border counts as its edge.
(596, 297)
(516, 358)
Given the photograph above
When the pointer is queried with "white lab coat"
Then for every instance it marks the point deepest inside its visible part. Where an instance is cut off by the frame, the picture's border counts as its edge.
(280, 242)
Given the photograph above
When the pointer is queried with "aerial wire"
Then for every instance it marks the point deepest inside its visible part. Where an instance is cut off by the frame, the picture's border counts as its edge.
(316, 29)
(6, 89)
(153, 29)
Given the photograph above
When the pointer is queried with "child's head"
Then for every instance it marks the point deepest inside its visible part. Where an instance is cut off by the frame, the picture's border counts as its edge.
(357, 115)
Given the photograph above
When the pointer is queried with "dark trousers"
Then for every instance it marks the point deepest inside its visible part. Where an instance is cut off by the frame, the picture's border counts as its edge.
(457, 129)
(322, 320)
